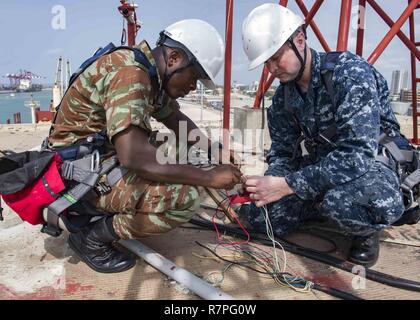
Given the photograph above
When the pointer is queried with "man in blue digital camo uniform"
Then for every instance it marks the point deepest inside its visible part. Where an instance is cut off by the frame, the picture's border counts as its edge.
(340, 178)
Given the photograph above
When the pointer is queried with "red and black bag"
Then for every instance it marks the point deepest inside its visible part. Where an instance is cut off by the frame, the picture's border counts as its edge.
(30, 181)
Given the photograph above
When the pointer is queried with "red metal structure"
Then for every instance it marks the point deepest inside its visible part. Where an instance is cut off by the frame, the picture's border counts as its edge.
(44, 116)
(128, 10)
(343, 36)
(228, 73)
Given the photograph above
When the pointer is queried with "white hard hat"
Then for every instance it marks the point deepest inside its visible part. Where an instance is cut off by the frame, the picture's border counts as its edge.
(204, 42)
(265, 30)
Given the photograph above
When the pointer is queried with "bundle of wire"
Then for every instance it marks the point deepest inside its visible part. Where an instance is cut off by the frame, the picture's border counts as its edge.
(255, 258)
(258, 260)
(224, 202)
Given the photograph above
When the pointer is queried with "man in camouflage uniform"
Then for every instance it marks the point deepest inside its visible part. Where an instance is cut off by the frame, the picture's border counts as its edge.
(117, 93)
(338, 179)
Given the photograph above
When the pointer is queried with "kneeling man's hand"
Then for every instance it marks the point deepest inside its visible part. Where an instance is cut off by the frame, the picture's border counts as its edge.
(267, 189)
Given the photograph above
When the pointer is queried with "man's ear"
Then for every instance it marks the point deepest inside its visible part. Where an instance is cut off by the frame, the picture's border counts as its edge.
(174, 57)
(300, 40)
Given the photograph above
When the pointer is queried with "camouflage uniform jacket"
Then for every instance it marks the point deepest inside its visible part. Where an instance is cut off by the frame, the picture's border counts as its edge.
(361, 112)
(115, 92)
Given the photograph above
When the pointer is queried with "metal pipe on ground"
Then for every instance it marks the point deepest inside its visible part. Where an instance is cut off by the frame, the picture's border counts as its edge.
(184, 277)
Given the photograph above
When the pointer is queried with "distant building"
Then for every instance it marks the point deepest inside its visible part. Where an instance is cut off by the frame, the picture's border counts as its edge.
(254, 86)
(399, 82)
(407, 96)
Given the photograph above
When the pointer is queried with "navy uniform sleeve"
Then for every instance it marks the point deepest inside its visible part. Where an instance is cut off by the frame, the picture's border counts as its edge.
(357, 118)
(283, 134)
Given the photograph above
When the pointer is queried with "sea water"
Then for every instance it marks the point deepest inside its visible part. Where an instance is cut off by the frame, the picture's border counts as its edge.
(15, 103)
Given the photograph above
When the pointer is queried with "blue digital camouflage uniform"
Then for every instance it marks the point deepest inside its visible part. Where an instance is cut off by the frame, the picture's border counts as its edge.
(343, 183)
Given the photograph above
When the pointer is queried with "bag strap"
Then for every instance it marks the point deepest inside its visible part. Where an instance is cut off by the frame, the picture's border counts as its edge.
(328, 63)
(78, 192)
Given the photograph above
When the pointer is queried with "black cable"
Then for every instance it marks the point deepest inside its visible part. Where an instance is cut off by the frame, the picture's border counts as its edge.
(373, 275)
(336, 292)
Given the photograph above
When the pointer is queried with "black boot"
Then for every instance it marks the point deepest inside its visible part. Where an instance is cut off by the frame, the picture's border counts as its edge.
(365, 250)
(93, 245)
(410, 216)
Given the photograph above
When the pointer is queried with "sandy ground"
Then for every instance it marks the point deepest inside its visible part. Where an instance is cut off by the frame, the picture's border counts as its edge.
(22, 137)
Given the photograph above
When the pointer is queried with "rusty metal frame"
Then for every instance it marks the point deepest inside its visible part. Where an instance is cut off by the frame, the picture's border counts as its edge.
(228, 73)
(128, 11)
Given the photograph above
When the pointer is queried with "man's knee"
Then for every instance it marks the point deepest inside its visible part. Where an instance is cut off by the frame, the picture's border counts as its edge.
(188, 199)
(160, 211)
(365, 206)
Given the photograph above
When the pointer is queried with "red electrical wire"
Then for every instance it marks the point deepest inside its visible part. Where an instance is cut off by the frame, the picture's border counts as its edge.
(219, 238)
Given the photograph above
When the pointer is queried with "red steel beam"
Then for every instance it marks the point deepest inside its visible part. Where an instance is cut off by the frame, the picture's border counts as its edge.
(361, 28)
(344, 27)
(263, 89)
(260, 89)
(411, 46)
(314, 10)
(269, 82)
(394, 30)
(131, 31)
(309, 20)
(228, 73)
(415, 139)
(129, 13)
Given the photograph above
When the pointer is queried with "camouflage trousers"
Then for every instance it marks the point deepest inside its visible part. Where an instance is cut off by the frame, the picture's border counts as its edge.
(357, 208)
(145, 208)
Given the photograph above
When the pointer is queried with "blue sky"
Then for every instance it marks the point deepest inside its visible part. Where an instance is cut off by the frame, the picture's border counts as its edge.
(28, 40)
